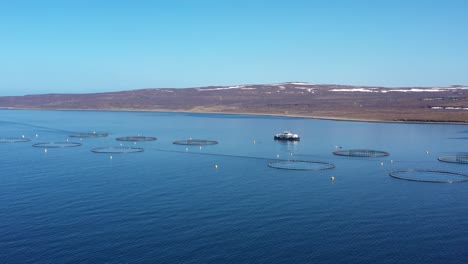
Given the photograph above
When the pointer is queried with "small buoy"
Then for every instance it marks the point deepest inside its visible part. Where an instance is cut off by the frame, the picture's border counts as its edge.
(110, 157)
(381, 163)
(215, 166)
(277, 156)
(134, 143)
(332, 178)
(186, 149)
(254, 141)
(45, 150)
(23, 136)
(427, 151)
(37, 135)
(291, 153)
(67, 139)
(120, 144)
(200, 147)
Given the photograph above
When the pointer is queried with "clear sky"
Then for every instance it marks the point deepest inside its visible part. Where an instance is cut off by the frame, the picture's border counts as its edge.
(97, 46)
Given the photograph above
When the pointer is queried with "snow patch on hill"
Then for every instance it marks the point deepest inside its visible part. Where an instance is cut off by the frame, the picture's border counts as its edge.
(241, 87)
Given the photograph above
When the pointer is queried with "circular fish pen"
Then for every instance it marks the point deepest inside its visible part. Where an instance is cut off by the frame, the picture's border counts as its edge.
(301, 165)
(433, 176)
(461, 159)
(195, 142)
(14, 140)
(89, 135)
(117, 150)
(57, 145)
(136, 138)
(367, 153)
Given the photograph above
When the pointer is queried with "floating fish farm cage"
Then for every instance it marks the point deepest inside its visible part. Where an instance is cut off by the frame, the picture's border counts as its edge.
(361, 153)
(89, 135)
(196, 142)
(461, 159)
(301, 165)
(136, 138)
(117, 150)
(57, 145)
(433, 176)
(14, 140)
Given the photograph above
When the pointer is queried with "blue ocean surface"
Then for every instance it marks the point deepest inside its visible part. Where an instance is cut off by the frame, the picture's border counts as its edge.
(170, 204)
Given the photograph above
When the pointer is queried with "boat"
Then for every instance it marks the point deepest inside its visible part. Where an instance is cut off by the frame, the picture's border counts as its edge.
(288, 136)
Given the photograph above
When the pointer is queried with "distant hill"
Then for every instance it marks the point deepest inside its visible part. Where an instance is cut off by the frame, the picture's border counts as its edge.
(410, 104)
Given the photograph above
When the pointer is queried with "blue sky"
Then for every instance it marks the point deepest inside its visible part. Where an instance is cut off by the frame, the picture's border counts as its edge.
(97, 46)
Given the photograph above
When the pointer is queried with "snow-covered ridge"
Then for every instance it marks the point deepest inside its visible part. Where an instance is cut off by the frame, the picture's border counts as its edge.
(286, 83)
(401, 90)
(301, 83)
(306, 86)
(362, 90)
(449, 108)
(310, 90)
(241, 87)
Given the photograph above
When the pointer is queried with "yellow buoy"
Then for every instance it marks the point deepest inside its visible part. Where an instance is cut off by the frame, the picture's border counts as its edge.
(216, 166)
(332, 178)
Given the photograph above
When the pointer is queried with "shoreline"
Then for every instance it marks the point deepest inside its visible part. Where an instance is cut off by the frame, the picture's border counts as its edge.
(339, 119)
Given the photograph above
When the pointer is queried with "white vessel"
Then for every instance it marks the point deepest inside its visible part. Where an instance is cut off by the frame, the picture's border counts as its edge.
(286, 135)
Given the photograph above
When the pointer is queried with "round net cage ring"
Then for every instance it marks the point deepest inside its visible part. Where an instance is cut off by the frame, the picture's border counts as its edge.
(431, 176)
(301, 165)
(195, 142)
(89, 135)
(14, 140)
(117, 150)
(57, 145)
(361, 153)
(136, 138)
(460, 159)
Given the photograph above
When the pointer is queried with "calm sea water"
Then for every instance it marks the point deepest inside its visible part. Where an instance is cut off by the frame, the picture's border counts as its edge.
(73, 206)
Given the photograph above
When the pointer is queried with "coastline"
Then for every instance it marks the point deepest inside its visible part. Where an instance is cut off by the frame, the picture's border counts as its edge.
(339, 119)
